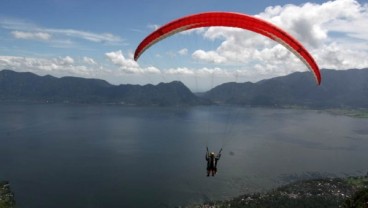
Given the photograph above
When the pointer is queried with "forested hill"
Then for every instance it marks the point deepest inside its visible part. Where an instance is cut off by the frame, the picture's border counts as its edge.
(29, 87)
(344, 88)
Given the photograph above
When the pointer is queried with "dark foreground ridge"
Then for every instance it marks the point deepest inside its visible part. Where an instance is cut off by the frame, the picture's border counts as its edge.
(7, 199)
(315, 193)
(323, 193)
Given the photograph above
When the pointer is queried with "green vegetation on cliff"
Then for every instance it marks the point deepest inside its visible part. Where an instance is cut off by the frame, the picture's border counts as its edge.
(6, 196)
(331, 192)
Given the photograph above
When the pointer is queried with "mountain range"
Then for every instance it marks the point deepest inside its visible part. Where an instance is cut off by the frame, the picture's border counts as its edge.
(29, 87)
(339, 88)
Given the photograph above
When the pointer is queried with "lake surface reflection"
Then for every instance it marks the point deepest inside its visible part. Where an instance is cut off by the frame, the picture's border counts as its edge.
(113, 156)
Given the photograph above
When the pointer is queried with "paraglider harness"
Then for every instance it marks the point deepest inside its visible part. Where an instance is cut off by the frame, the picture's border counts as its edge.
(212, 162)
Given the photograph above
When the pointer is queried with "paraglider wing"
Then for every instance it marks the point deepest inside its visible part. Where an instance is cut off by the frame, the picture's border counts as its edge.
(229, 19)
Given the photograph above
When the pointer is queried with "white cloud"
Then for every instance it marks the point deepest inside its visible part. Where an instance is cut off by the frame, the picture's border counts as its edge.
(310, 22)
(199, 72)
(183, 51)
(151, 70)
(180, 71)
(31, 35)
(118, 59)
(128, 65)
(337, 56)
(67, 60)
(93, 37)
(209, 56)
(334, 32)
(89, 60)
(61, 66)
(27, 30)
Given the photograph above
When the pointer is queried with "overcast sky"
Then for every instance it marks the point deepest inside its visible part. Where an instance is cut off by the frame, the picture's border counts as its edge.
(96, 39)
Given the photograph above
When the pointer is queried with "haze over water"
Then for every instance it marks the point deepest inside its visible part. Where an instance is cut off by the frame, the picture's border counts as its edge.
(113, 156)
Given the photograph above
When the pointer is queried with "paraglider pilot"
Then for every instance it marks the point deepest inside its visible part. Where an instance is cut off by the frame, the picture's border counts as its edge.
(212, 160)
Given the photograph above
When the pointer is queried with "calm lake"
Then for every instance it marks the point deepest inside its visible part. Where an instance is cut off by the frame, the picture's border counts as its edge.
(113, 156)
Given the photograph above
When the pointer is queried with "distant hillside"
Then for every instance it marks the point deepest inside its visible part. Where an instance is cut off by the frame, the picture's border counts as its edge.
(339, 89)
(345, 88)
(29, 87)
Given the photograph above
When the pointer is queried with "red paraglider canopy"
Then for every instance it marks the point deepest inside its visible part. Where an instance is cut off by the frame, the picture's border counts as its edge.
(229, 19)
